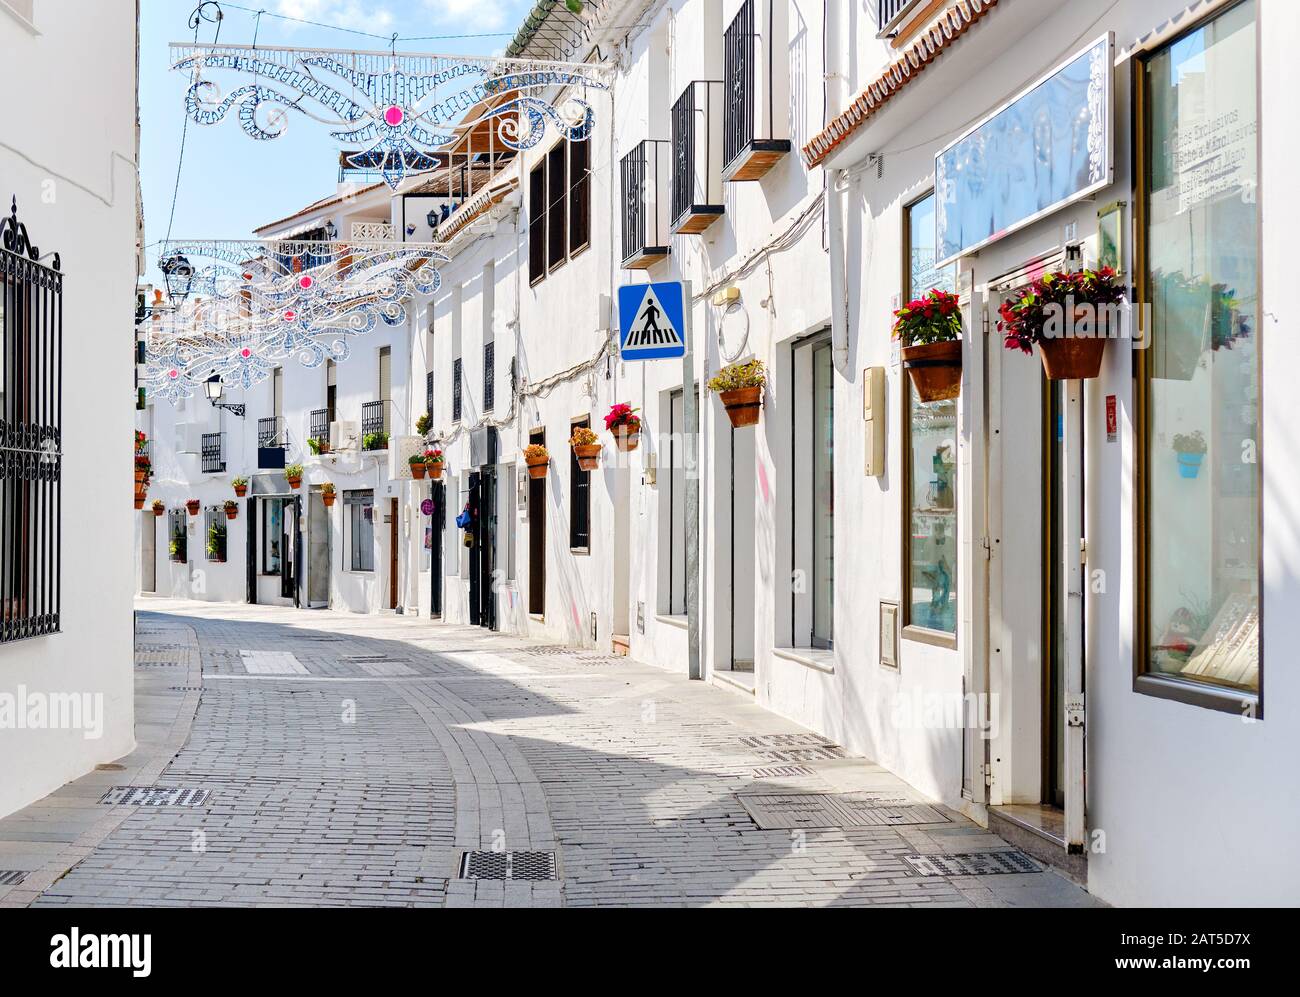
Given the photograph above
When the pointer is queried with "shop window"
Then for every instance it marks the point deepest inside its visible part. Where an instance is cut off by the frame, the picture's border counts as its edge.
(929, 600)
(359, 530)
(1199, 418)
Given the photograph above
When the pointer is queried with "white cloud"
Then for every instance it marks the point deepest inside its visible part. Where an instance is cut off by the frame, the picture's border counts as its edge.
(356, 14)
(476, 16)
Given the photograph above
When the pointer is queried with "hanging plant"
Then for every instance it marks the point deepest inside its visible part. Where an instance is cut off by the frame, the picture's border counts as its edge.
(231, 507)
(740, 387)
(929, 328)
(192, 505)
(586, 447)
(241, 486)
(1191, 449)
(538, 458)
(158, 507)
(327, 494)
(1065, 313)
(294, 475)
(625, 424)
(434, 461)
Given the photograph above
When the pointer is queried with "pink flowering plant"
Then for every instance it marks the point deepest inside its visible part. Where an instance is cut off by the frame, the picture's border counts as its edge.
(622, 415)
(1054, 298)
(931, 318)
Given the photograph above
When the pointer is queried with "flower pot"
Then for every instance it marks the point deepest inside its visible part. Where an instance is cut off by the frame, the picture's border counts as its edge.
(1189, 464)
(327, 498)
(232, 513)
(537, 466)
(295, 481)
(742, 405)
(417, 470)
(159, 512)
(435, 470)
(139, 501)
(141, 477)
(588, 455)
(193, 508)
(241, 490)
(935, 369)
(627, 439)
(1067, 358)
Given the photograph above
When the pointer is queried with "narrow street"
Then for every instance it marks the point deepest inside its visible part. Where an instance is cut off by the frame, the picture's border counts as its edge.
(351, 760)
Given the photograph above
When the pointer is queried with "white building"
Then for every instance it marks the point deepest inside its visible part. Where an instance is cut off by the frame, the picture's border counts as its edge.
(70, 259)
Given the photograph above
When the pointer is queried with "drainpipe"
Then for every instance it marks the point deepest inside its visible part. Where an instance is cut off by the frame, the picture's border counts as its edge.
(834, 29)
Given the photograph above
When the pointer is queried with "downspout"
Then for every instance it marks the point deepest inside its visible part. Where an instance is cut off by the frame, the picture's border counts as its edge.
(834, 29)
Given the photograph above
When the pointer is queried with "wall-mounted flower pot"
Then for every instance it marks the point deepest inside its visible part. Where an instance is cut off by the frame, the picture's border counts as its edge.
(193, 507)
(537, 466)
(626, 438)
(141, 476)
(588, 455)
(139, 501)
(1069, 358)
(418, 469)
(935, 369)
(159, 510)
(295, 481)
(435, 470)
(327, 498)
(742, 405)
(1189, 464)
(241, 490)
(232, 513)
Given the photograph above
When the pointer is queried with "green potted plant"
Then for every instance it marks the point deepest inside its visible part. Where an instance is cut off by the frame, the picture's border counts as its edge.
(586, 447)
(434, 461)
(375, 441)
(158, 507)
(929, 329)
(231, 507)
(1191, 449)
(625, 424)
(192, 505)
(538, 458)
(740, 386)
(294, 475)
(423, 424)
(417, 464)
(1063, 312)
(177, 546)
(327, 494)
(241, 486)
(318, 445)
(216, 541)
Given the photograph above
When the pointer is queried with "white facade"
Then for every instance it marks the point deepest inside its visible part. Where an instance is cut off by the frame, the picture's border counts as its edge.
(77, 195)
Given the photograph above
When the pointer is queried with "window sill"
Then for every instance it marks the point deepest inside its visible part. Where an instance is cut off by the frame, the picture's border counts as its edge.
(579, 550)
(1210, 697)
(923, 635)
(673, 620)
(810, 657)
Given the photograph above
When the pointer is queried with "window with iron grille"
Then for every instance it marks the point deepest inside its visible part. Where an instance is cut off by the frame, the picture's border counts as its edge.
(270, 431)
(213, 453)
(214, 533)
(31, 409)
(428, 394)
(372, 425)
(320, 424)
(559, 207)
(456, 370)
(738, 55)
(683, 115)
(579, 498)
(489, 376)
(177, 541)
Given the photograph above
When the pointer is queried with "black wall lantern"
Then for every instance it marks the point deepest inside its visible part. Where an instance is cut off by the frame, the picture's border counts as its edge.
(213, 388)
(179, 275)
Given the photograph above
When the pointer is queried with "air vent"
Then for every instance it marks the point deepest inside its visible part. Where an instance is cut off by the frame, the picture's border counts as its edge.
(516, 866)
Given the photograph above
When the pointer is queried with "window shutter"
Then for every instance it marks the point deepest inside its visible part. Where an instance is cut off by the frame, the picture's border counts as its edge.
(537, 223)
(579, 195)
(557, 245)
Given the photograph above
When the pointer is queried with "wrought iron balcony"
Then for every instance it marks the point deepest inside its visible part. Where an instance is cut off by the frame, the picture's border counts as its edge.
(645, 204)
(212, 453)
(754, 82)
(374, 434)
(270, 431)
(457, 395)
(320, 428)
(890, 15)
(489, 376)
(697, 157)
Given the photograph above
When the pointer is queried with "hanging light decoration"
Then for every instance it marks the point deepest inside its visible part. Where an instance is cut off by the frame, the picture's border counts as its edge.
(179, 276)
(397, 107)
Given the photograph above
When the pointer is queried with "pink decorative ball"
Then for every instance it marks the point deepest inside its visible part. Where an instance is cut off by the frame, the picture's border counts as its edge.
(394, 115)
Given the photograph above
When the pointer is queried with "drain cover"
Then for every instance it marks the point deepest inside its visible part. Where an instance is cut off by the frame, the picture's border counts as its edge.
(782, 771)
(533, 866)
(972, 863)
(793, 747)
(185, 688)
(11, 877)
(787, 810)
(156, 796)
(271, 663)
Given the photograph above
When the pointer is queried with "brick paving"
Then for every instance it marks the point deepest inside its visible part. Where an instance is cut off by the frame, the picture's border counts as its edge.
(351, 760)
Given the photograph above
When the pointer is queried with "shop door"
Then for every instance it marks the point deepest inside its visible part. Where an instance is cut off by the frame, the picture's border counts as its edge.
(437, 524)
(475, 550)
(485, 538)
(392, 553)
(537, 538)
(149, 552)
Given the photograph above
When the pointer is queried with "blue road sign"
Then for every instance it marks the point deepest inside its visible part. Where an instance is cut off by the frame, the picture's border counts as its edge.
(651, 320)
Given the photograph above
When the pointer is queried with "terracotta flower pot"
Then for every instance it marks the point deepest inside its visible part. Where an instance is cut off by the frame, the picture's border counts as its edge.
(295, 481)
(141, 476)
(1071, 357)
(588, 456)
(537, 466)
(435, 470)
(742, 405)
(327, 498)
(159, 512)
(626, 438)
(417, 470)
(232, 513)
(139, 501)
(193, 508)
(241, 490)
(935, 369)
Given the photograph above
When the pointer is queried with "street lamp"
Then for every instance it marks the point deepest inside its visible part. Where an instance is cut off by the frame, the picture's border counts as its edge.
(179, 275)
(213, 388)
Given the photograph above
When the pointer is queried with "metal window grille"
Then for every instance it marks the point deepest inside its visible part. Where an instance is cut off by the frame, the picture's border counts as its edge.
(270, 431)
(372, 418)
(213, 453)
(644, 173)
(579, 499)
(214, 533)
(489, 376)
(696, 148)
(888, 12)
(31, 442)
(177, 538)
(456, 370)
(738, 52)
(320, 424)
(428, 393)
(683, 152)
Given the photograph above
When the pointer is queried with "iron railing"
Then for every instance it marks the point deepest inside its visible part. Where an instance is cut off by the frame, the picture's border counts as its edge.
(457, 368)
(177, 539)
(31, 437)
(738, 43)
(212, 453)
(889, 13)
(696, 149)
(428, 394)
(489, 376)
(270, 431)
(320, 425)
(372, 420)
(644, 173)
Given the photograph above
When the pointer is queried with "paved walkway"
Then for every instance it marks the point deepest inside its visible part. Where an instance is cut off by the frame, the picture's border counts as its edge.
(352, 760)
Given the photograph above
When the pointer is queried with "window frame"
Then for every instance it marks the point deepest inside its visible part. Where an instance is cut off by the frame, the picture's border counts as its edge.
(579, 479)
(908, 630)
(354, 499)
(567, 198)
(1240, 702)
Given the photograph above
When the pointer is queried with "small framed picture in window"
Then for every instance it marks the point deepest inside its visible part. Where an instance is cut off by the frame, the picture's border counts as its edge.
(1110, 236)
(888, 634)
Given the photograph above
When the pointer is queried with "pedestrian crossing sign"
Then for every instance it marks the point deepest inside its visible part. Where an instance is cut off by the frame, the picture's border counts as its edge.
(651, 320)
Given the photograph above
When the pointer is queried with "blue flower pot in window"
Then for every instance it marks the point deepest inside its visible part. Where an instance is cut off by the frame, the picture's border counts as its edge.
(1189, 464)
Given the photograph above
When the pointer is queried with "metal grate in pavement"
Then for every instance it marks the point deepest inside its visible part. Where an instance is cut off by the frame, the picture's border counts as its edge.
(793, 748)
(765, 741)
(156, 796)
(271, 663)
(789, 810)
(518, 866)
(782, 771)
(184, 688)
(972, 864)
(11, 877)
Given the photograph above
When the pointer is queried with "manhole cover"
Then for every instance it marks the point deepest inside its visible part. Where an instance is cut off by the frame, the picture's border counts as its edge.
(384, 669)
(156, 796)
(786, 810)
(535, 866)
(271, 663)
(972, 864)
(11, 877)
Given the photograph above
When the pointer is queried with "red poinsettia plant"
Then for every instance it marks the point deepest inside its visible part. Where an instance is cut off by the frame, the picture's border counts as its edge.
(1055, 298)
(433, 456)
(622, 415)
(931, 318)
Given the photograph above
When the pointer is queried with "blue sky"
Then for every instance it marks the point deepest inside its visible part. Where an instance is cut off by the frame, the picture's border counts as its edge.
(230, 183)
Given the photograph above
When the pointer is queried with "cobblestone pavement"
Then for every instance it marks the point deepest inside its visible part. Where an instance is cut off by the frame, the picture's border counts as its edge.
(351, 760)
